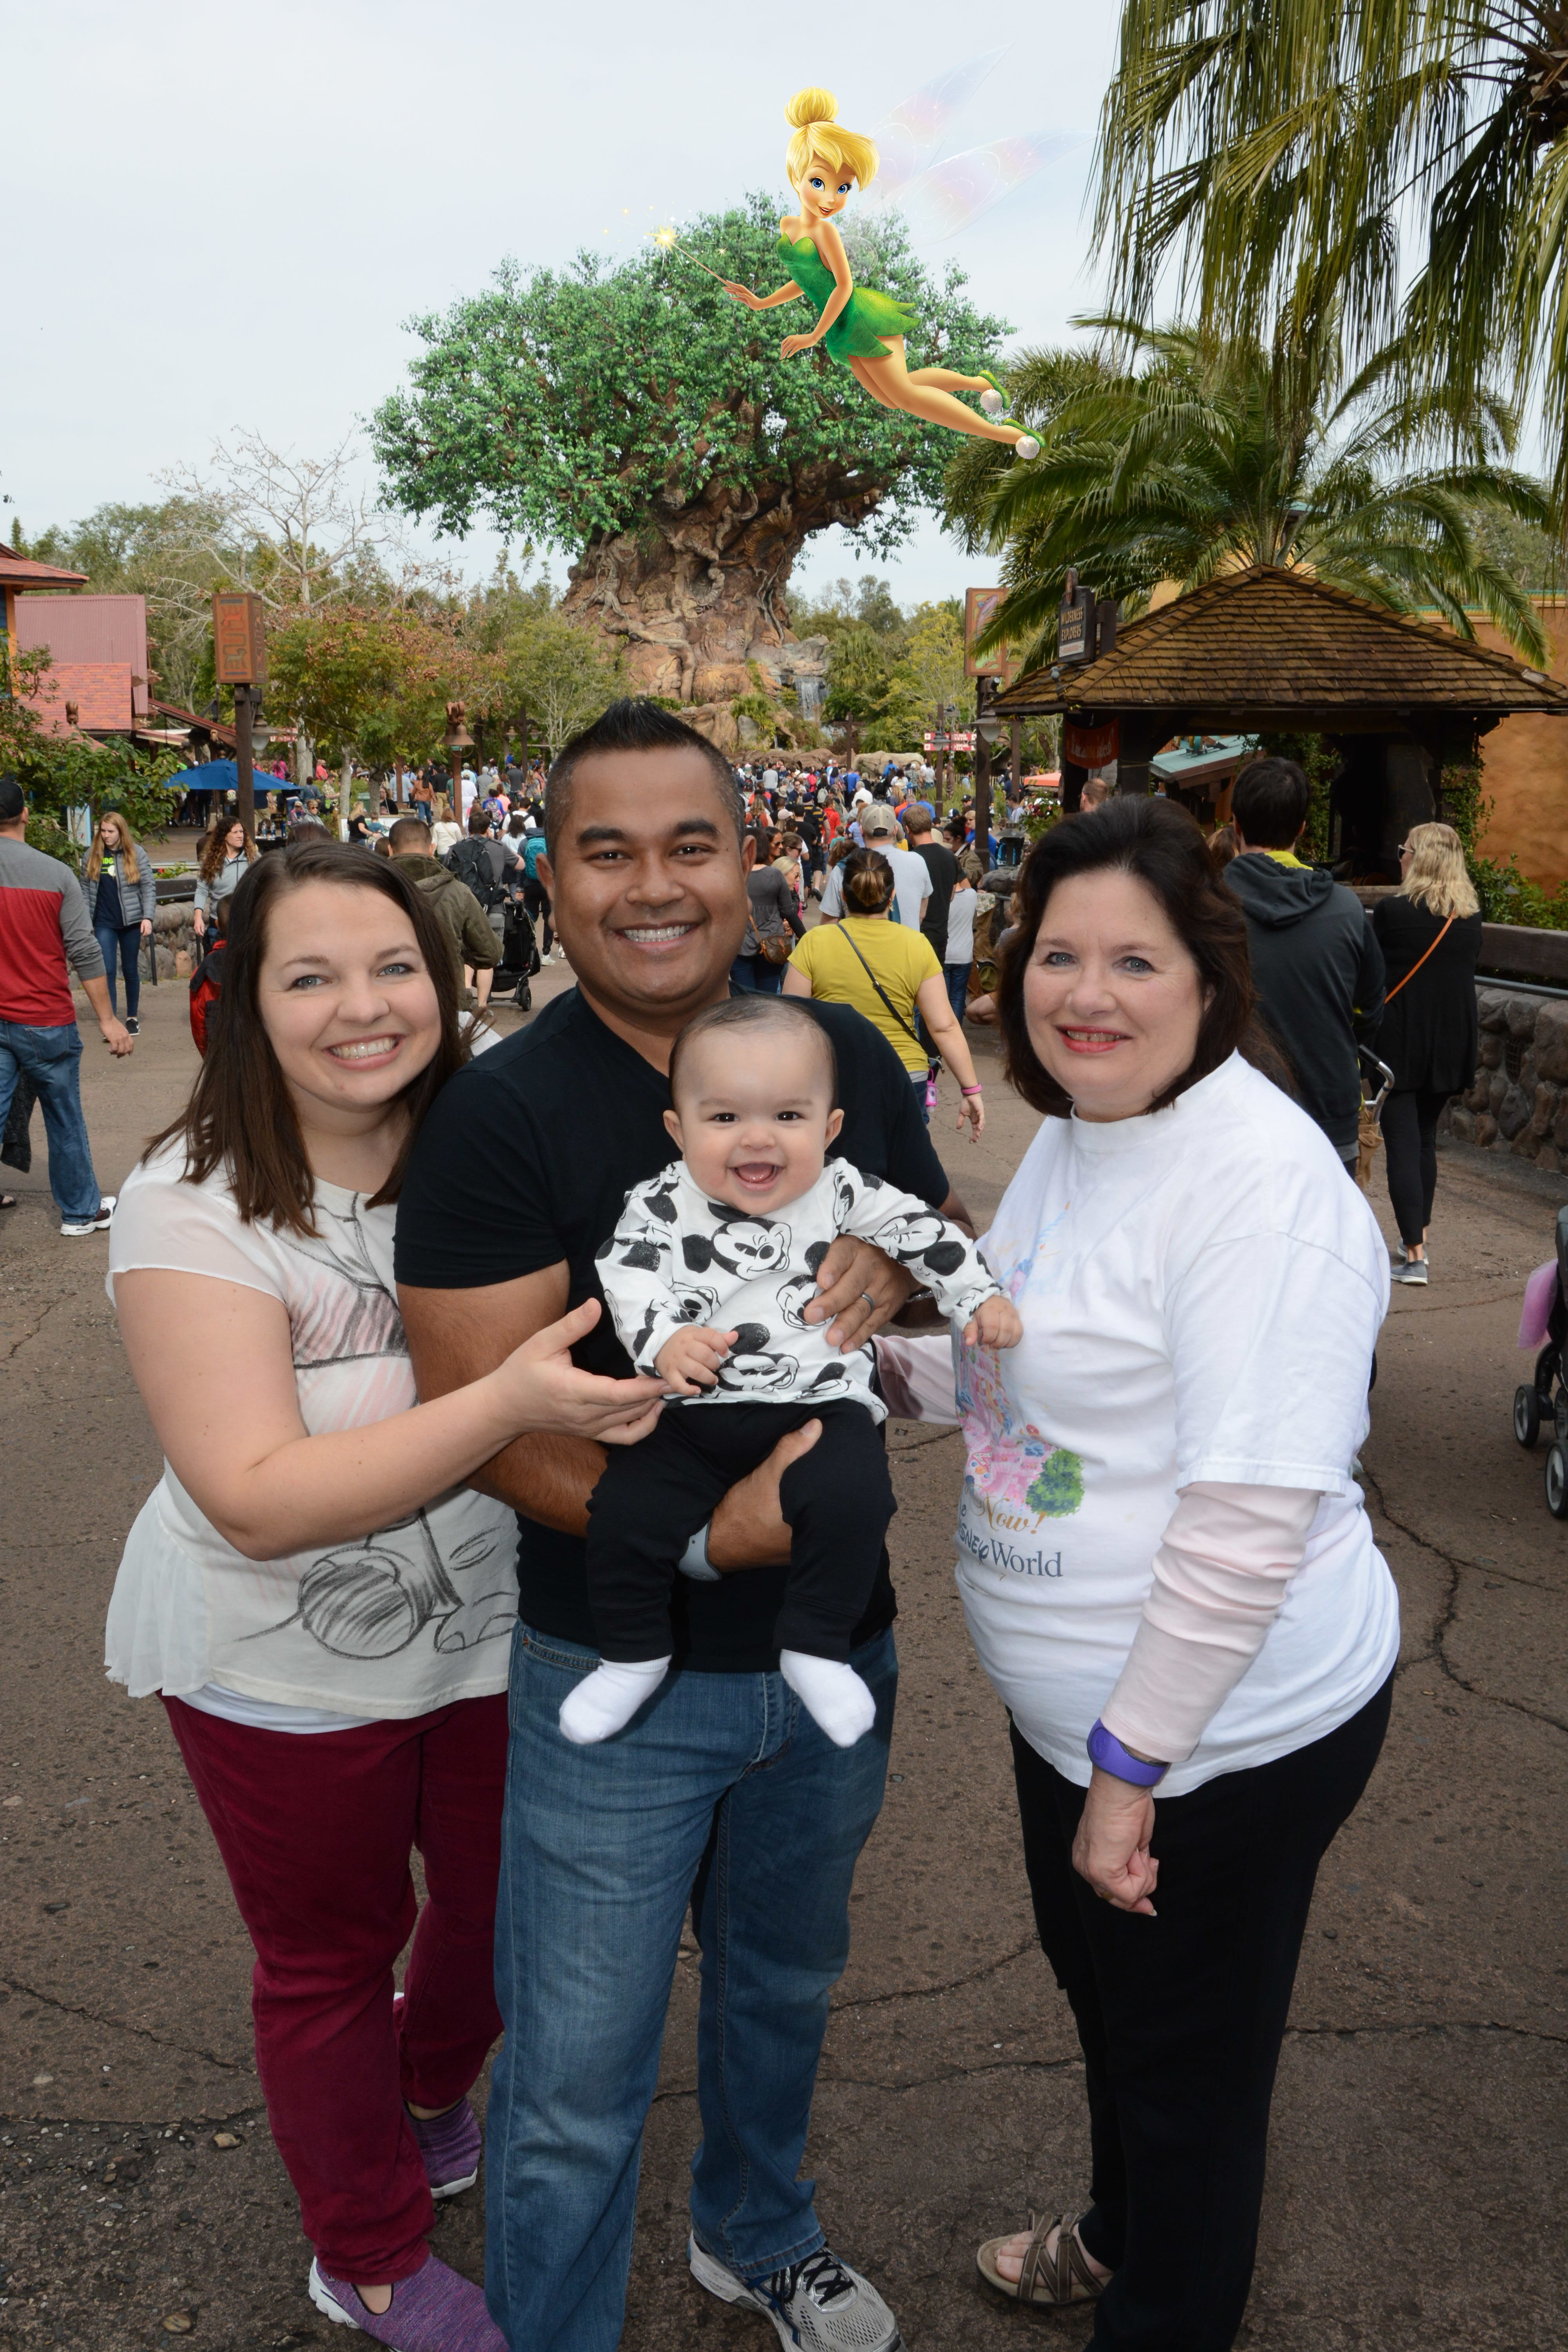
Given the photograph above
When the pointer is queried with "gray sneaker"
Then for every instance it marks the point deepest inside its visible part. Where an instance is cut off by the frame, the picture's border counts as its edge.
(819, 2304)
(1414, 1271)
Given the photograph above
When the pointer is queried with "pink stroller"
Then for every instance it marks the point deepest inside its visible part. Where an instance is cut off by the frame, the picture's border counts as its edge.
(1544, 1398)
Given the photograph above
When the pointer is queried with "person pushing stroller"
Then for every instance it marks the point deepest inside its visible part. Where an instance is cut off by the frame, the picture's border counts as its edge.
(737, 1228)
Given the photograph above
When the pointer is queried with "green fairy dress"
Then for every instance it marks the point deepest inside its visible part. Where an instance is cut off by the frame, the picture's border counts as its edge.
(857, 333)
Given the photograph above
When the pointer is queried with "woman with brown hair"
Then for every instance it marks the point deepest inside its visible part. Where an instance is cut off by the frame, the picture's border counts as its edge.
(226, 857)
(122, 899)
(1164, 1560)
(890, 973)
(322, 1604)
(1430, 934)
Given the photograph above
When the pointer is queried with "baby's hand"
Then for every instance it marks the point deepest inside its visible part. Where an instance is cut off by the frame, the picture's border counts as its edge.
(995, 1323)
(690, 1358)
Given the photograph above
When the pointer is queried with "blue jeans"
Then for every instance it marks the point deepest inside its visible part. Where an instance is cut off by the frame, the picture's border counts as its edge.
(957, 978)
(125, 943)
(724, 1781)
(757, 975)
(51, 1057)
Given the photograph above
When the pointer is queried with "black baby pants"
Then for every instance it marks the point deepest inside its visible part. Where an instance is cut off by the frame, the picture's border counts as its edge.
(1181, 2018)
(653, 1497)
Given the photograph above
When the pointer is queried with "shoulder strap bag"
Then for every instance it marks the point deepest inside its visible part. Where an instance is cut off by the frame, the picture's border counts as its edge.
(914, 1034)
(1416, 966)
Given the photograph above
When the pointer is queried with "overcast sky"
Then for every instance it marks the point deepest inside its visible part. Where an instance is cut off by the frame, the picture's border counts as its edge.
(222, 218)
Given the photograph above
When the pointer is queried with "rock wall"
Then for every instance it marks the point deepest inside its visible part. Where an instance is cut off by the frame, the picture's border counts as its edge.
(1519, 1100)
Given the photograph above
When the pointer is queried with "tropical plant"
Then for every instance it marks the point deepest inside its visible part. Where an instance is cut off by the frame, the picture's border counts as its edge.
(638, 419)
(929, 670)
(1413, 154)
(1209, 453)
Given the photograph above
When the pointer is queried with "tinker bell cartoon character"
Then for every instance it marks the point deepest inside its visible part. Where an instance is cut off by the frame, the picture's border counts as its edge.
(863, 330)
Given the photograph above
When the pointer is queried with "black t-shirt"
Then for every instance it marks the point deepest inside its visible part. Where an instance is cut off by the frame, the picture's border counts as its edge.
(526, 1158)
(943, 868)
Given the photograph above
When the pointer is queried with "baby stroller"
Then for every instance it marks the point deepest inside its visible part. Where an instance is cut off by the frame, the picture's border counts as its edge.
(1544, 1398)
(519, 955)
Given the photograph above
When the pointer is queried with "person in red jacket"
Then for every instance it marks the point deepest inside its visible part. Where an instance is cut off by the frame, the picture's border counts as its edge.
(42, 925)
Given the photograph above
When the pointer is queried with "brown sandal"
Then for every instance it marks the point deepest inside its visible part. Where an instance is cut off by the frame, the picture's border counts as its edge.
(1052, 2281)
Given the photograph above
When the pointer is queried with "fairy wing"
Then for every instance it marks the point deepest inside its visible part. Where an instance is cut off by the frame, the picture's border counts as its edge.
(948, 197)
(909, 137)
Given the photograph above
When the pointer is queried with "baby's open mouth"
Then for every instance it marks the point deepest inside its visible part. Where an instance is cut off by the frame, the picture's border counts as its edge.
(758, 1173)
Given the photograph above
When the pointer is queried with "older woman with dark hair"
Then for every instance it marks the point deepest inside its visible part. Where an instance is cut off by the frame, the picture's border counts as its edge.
(1164, 1561)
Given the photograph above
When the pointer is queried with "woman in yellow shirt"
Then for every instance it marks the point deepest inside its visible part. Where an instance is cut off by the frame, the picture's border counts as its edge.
(888, 973)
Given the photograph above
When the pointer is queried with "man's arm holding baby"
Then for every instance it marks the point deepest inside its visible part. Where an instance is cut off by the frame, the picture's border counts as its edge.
(458, 1335)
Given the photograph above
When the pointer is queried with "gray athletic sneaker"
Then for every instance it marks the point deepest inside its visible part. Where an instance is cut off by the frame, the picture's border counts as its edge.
(819, 2304)
(1414, 1270)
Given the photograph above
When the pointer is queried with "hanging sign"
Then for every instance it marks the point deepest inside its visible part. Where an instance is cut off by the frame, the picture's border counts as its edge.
(1090, 747)
(1075, 623)
(979, 605)
(239, 642)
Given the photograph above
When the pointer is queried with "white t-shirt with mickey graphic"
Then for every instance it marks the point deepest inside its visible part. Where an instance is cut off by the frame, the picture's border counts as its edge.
(678, 1258)
(1200, 1290)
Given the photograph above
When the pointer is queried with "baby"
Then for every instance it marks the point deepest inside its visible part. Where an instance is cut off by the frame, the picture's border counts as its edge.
(708, 1277)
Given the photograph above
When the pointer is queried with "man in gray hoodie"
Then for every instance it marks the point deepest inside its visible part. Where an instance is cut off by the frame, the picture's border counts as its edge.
(1316, 963)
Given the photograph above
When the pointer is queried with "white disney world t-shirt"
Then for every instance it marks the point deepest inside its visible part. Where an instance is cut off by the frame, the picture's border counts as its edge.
(1200, 1290)
(407, 1618)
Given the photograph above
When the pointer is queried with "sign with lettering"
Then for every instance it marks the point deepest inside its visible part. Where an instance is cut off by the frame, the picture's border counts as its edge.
(239, 642)
(979, 609)
(1090, 747)
(1075, 624)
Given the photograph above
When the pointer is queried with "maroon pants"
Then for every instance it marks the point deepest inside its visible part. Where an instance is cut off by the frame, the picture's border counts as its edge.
(315, 1831)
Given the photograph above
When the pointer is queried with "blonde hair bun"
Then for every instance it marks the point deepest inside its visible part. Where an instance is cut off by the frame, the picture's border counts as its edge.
(818, 140)
(809, 106)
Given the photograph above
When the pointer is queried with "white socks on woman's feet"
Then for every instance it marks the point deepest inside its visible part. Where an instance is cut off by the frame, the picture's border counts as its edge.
(609, 1698)
(832, 1693)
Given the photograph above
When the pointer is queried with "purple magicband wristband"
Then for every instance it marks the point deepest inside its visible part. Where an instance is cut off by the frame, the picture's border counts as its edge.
(1106, 1750)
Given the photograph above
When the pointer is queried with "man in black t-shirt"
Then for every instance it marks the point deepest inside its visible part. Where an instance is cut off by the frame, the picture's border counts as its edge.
(943, 868)
(722, 1793)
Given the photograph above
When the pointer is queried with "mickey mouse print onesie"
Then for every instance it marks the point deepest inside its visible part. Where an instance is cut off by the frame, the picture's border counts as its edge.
(678, 1258)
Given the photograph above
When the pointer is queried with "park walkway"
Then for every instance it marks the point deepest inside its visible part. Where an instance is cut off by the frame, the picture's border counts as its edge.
(1418, 2195)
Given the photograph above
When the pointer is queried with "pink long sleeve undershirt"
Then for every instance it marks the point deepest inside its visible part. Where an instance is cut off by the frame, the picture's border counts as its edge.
(1221, 1575)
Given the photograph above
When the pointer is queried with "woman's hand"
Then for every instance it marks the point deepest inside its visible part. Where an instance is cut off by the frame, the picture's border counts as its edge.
(199, 922)
(541, 1388)
(1111, 1848)
(971, 1115)
(742, 294)
(793, 343)
(146, 928)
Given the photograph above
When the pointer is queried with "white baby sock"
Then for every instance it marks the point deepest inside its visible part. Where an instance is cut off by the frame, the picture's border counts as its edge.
(609, 1698)
(831, 1692)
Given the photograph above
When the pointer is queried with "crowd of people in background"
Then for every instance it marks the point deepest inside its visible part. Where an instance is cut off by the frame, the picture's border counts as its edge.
(1193, 1020)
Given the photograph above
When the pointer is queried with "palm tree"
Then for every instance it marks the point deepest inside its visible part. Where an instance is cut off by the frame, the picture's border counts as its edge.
(1244, 144)
(1187, 455)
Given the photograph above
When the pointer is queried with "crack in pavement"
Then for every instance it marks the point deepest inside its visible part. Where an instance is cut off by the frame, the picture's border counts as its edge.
(833, 2080)
(934, 1992)
(117, 2025)
(1447, 1614)
(32, 1333)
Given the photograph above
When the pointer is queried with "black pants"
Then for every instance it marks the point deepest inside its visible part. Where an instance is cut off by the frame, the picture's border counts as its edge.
(1410, 1139)
(1181, 2018)
(653, 1497)
(538, 906)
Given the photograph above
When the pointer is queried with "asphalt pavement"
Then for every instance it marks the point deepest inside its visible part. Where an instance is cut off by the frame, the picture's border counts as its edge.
(1416, 2195)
